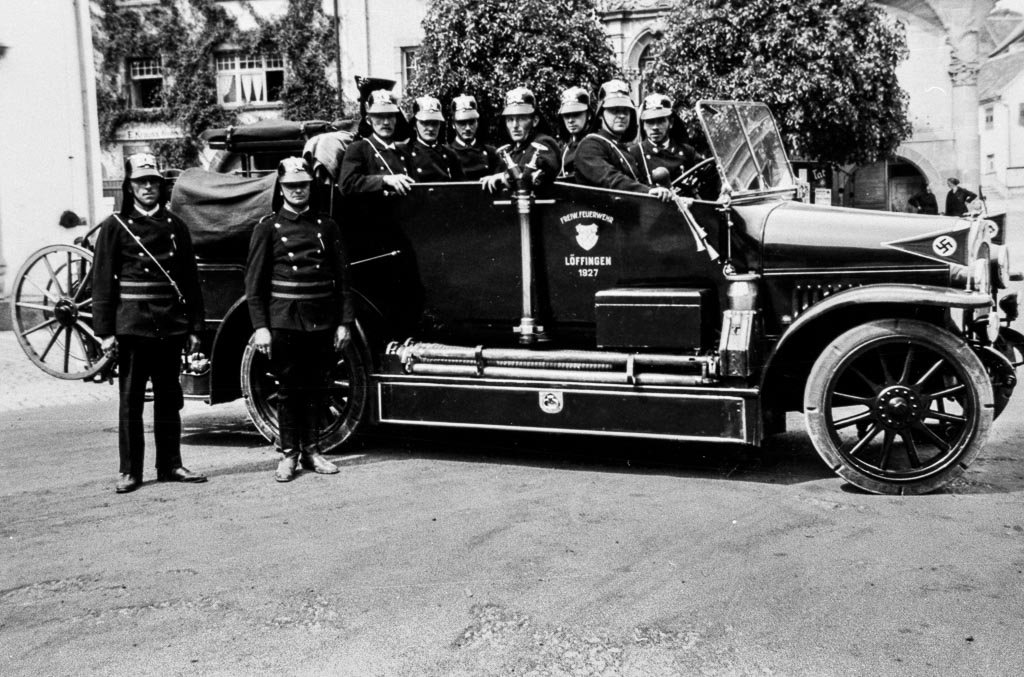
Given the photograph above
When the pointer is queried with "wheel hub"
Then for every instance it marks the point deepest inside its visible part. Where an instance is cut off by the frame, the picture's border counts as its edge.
(65, 312)
(898, 407)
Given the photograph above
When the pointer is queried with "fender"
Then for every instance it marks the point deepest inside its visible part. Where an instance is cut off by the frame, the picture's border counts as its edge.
(888, 294)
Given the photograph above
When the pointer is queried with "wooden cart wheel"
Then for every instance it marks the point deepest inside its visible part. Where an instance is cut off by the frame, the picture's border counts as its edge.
(51, 312)
(347, 403)
(898, 406)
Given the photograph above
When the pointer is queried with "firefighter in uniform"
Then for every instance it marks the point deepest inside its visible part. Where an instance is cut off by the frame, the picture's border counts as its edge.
(574, 117)
(297, 287)
(476, 159)
(661, 158)
(147, 306)
(377, 164)
(602, 158)
(431, 161)
(536, 154)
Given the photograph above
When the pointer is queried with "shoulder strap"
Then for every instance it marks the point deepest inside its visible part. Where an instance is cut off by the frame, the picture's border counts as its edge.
(617, 150)
(138, 241)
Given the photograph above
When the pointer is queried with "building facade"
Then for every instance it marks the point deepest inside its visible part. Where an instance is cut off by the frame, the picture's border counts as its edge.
(50, 177)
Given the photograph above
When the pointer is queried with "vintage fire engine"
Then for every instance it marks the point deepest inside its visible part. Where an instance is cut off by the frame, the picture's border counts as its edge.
(591, 311)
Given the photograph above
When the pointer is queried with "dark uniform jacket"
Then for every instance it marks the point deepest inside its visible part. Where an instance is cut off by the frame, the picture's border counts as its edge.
(131, 296)
(674, 157)
(367, 160)
(925, 203)
(477, 160)
(537, 153)
(297, 275)
(569, 156)
(605, 162)
(957, 200)
(431, 163)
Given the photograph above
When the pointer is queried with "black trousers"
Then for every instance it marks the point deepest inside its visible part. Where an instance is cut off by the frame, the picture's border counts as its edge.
(140, 359)
(302, 362)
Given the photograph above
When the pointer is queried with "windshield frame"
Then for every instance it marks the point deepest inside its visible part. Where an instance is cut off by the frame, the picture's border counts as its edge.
(778, 162)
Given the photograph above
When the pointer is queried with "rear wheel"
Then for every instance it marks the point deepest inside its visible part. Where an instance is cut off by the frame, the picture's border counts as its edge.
(898, 406)
(347, 402)
(51, 312)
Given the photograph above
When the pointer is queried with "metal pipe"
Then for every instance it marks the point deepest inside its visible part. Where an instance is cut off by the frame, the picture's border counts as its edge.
(427, 351)
(615, 378)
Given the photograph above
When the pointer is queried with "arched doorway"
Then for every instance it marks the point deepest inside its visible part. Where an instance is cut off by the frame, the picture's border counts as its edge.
(886, 186)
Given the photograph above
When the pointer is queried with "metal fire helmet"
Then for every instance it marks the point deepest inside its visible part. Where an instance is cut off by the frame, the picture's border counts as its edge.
(520, 101)
(574, 100)
(464, 108)
(427, 108)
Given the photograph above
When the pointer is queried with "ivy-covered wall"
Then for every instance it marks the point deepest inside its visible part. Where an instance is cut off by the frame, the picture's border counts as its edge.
(185, 34)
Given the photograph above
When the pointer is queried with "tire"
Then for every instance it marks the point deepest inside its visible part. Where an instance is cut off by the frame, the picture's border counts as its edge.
(898, 406)
(51, 312)
(348, 401)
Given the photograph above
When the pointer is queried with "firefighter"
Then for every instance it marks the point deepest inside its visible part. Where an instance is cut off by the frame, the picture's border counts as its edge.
(535, 154)
(602, 158)
(574, 117)
(147, 307)
(297, 287)
(377, 164)
(432, 161)
(660, 158)
(476, 159)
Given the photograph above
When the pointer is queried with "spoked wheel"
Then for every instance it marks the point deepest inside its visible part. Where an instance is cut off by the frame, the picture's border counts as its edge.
(898, 406)
(347, 402)
(51, 312)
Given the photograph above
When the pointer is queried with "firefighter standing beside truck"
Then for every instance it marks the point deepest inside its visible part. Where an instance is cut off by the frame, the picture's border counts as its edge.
(432, 161)
(477, 159)
(574, 122)
(660, 158)
(297, 288)
(147, 305)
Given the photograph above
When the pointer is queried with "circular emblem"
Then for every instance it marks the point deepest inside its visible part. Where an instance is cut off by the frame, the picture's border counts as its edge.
(944, 245)
(550, 402)
(992, 229)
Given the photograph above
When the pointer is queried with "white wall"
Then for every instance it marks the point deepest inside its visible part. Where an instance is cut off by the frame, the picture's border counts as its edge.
(49, 149)
(390, 25)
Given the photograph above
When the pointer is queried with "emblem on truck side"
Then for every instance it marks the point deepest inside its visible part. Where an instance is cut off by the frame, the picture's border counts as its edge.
(586, 235)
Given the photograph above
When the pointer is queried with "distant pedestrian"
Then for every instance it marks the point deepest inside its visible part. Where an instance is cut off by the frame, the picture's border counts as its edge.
(957, 198)
(924, 202)
(148, 307)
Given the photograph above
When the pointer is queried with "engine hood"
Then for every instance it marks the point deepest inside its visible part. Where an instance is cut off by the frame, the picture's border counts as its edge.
(798, 236)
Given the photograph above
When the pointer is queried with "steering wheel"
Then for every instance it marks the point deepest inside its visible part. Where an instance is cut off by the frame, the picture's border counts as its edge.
(690, 181)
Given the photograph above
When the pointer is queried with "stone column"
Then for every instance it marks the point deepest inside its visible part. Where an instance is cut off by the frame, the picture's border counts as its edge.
(964, 21)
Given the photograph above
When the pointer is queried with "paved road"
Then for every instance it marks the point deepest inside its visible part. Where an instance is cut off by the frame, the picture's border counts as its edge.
(441, 555)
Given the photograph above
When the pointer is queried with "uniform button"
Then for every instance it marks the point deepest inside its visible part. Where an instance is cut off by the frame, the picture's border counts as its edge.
(318, 222)
(295, 267)
(146, 269)
(319, 234)
(277, 225)
(319, 251)
(130, 221)
(284, 239)
(291, 254)
(419, 169)
(318, 266)
(142, 254)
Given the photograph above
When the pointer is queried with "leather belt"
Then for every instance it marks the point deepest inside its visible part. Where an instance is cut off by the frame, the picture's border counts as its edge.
(301, 291)
(139, 290)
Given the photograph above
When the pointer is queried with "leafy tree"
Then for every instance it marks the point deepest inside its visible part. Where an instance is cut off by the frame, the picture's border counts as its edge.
(826, 68)
(487, 47)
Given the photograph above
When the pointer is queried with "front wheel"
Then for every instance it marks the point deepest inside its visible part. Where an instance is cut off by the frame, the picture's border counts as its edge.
(898, 406)
(346, 406)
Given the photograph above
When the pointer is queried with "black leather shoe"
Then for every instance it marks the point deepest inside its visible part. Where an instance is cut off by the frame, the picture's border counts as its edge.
(180, 474)
(127, 483)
